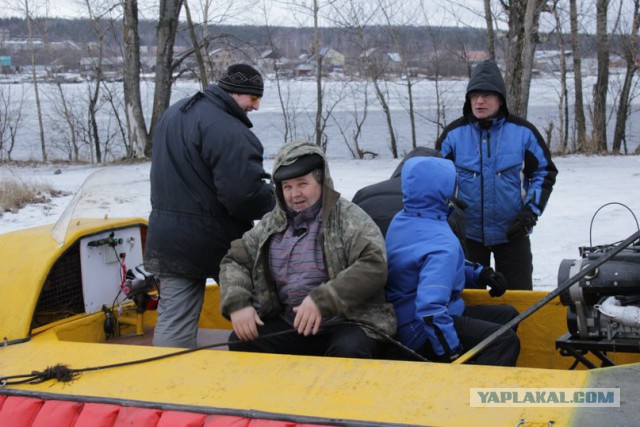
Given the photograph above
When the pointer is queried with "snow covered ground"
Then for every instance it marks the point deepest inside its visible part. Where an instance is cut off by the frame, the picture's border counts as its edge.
(584, 184)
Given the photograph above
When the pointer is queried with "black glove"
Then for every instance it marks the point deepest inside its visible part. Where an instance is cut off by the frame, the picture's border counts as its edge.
(494, 280)
(522, 224)
(450, 357)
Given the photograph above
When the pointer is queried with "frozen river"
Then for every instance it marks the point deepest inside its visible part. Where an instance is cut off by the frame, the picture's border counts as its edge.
(346, 99)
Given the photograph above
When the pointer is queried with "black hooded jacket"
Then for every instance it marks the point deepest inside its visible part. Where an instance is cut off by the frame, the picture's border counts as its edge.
(383, 200)
(486, 77)
(207, 184)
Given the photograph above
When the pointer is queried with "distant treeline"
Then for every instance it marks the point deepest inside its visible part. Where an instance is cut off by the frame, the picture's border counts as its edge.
(290, 41)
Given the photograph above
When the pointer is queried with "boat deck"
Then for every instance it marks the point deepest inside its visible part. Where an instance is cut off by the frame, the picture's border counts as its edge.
(206, 337)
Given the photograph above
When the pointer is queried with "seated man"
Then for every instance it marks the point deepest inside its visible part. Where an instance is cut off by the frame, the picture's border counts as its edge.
(383, 200)
(314, 260)
(426, 274)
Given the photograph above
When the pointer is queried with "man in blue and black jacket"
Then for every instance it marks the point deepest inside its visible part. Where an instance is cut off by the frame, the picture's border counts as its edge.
(505, 176)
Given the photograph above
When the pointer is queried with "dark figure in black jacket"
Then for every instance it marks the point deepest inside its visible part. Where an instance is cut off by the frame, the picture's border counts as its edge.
(208, 185)
(384, 199)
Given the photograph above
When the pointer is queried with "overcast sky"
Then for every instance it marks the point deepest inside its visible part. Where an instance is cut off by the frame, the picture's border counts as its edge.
(436, 12)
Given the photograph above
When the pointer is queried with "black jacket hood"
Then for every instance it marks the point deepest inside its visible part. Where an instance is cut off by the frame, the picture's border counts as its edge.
(486, 77)
(419, 151)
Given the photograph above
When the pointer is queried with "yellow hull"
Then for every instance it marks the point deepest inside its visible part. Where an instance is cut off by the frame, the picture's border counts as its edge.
(308, 389)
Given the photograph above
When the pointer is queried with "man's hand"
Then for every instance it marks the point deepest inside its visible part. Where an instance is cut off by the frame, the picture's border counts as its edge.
(245, 323)
(308, 317)
(494, 280)
(522, 224)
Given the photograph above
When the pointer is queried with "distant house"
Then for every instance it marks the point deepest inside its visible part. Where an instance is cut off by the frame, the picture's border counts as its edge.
(269, 59)
(332, 60)
(303, 70)
(90, 63)
(220, 59)
(5, 34)
(550, 60)
(474, 56)
(378, 61)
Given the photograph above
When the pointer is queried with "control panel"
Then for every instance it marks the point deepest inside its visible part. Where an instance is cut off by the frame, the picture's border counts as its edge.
(102, 257)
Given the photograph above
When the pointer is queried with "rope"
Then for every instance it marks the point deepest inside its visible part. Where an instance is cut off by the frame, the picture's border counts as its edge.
(64, 373)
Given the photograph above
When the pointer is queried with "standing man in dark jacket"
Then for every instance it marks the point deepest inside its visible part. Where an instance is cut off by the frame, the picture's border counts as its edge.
(207, 186)
(505, 176)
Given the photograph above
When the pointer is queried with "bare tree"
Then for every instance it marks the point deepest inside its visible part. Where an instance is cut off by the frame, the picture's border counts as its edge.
(630, 47)
(319, 58)
(404, 49)
(491, 34)
(436, 74)
(284, 96)
(524, 19)
(30, 8)
(563, 104)
(599, 134)
(352, 139)
(580, 122)
(202, 72)
(113, 98)
(137, 134)
(372, 61)
(375, 67)
(354, 17)
(312, 9)
(166, 36)
(65, 108)
(97, 14)
(10, 119)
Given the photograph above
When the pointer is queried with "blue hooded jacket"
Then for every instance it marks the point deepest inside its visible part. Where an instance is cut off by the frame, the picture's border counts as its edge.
(426, 262)
(503, 164)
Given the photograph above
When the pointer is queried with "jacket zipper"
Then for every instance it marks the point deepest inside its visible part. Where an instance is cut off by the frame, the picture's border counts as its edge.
(482, 176)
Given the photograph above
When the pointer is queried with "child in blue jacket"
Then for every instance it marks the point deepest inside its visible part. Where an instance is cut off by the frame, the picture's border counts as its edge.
(426, 274)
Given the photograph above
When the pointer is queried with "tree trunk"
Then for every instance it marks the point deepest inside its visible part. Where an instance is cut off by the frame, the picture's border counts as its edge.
(524, 17)
(580, 122)
(69, 119)
(319, 96)
(196, 47)
(387, 113)
(599, 134)
(284, 104)
(563, 107)
(137, 128)
(412, 112)
(92, 111)
(630, 47)
(166, 36)
(491, 35)
(531, 23)
(513, 66)
(35, 79)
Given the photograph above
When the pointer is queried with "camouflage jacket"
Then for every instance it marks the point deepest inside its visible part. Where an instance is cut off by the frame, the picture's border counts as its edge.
(354, 255)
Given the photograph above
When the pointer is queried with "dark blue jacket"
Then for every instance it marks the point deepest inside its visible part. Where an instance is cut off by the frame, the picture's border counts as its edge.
(207, 184)
(503, 164)
(426, 262)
